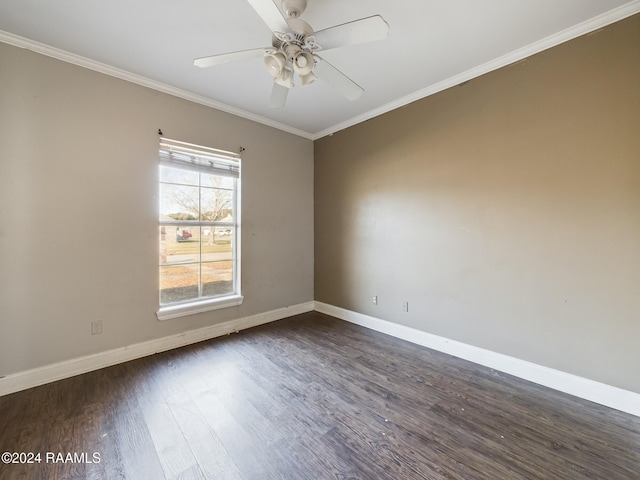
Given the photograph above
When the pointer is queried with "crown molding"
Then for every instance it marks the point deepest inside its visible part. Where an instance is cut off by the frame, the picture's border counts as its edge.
(570, 33)
(84, 62)
(583, 28)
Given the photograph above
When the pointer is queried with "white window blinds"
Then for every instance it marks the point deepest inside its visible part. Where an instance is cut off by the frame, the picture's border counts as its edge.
(196, 158)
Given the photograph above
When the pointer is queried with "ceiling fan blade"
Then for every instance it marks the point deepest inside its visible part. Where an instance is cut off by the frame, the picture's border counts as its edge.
(338, 80)
(214, 60)
(270, 14)
(359, 31)
(278, 96)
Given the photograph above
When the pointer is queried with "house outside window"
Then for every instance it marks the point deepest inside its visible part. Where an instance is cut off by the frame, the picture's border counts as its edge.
(199, 261)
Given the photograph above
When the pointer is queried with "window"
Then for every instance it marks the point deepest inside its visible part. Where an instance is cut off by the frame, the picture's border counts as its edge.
(199, 215)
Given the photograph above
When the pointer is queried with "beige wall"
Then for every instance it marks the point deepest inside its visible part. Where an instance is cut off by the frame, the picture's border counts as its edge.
(506, 211)
(78, 210)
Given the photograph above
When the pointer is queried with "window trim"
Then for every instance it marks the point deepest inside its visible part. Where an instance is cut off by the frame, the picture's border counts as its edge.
(207, 162)
(198, 306)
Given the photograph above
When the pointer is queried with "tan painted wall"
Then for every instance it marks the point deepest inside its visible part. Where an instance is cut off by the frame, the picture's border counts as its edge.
(505, 211)
(78, 210)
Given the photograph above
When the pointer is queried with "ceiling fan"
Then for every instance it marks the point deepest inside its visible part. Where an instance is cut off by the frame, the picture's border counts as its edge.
(295, 46)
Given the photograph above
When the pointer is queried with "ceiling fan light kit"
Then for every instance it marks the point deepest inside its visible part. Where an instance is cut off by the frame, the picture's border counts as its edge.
(303, 64)
(275, 63)
(285, 78)
(307, 79)
(295, 46)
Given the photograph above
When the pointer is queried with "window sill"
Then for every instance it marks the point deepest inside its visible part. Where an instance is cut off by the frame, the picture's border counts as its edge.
(191, 308)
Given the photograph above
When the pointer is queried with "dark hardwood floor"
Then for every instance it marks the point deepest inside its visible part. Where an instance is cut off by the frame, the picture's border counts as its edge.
(311, 397)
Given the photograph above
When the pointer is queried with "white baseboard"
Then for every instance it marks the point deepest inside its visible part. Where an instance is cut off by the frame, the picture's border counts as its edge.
(597, 392)
(623, 400)
(69, 368)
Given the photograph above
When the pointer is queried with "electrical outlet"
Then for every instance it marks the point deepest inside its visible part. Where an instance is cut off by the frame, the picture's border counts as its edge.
(96, 327)
(405, 306)
(374, 299)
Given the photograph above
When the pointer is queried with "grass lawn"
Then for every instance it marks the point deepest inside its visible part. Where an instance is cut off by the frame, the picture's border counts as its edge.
(189, 246)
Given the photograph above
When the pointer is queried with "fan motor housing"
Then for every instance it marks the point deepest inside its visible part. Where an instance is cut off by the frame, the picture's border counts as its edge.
(293, 8)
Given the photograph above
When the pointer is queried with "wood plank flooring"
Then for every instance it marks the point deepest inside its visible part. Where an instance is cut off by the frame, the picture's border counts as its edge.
(312, 397)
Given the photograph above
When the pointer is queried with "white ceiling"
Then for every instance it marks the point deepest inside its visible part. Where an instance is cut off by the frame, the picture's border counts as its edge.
(432, 44)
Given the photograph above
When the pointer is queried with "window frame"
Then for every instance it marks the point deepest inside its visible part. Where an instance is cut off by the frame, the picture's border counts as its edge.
(200, 157)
